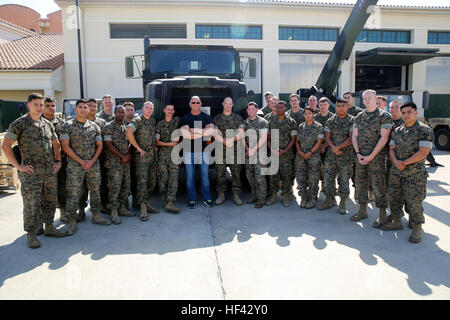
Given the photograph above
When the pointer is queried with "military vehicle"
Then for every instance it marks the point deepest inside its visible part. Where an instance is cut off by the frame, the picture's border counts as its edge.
(437, 113)
(326, 83)
(172, 74)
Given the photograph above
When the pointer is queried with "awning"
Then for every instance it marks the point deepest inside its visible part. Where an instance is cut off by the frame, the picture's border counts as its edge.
(394, 56)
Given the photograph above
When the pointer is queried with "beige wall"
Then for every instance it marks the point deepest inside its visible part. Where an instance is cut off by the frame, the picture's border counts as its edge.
(103, 63)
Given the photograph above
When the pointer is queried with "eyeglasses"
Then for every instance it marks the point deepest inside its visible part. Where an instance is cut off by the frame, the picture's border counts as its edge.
(195, 102)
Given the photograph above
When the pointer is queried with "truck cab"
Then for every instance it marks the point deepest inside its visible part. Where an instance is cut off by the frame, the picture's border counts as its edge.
(172, 74)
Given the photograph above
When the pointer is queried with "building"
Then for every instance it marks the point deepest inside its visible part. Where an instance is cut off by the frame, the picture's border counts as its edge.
(32, 64)
(30, 19)
(290, 41)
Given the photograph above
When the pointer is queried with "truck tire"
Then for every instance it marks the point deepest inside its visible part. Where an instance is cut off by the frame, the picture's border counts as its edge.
(442, 139)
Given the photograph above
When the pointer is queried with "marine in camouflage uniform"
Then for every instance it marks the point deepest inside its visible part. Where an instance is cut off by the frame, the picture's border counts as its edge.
(368, 135)
(81, 138)
(104, 179)
(143, 134)
(341, 165)
(258, 183)
(407, 187)
(224, 122)
(107, 117)
(287, 132)
(298, 116)
(118, 168)
(36, 140)
(58, 124)
(354, 110)
(318, 117)
(167, 170)
(307, 172)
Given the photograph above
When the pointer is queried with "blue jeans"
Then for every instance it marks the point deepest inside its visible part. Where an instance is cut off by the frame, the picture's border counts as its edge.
(190, 161)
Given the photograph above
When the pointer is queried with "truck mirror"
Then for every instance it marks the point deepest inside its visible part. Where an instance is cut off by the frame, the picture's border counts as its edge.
(252, 67)
(426, 100)
(129, 67)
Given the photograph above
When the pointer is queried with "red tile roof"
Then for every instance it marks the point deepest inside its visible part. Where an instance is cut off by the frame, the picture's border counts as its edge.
(43, 51)
(15, 27)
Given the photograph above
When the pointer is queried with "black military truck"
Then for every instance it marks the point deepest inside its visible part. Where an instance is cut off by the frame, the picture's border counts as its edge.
(172, 74)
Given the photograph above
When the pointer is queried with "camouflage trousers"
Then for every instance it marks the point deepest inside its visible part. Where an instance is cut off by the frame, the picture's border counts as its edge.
(258, 183)
(307, 174)
(221, 170)
(340, 166)
(284, 175)
(75, 177)
(61, 178)
(39, 197)
(373, 174)
(145, 180)
(119, 186)
(104, 181)
(167, 178)
(407, 190)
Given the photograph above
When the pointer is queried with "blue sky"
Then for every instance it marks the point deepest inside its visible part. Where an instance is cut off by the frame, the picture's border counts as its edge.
(48, 6)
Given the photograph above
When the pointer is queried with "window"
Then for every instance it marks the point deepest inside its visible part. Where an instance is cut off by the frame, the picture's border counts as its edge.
(436, 37)
(384, 36)
(136, 31)
(228, 32)
(311, 34)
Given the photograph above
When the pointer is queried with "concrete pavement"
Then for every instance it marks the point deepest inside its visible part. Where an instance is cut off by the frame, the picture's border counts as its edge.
(230, 252)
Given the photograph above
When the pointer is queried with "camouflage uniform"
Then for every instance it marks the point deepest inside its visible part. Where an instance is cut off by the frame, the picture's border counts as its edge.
(133, 179)
(104, 116)
(38, 189)
(298, 116)
(104, 176)
(395, 124)
(257, 181)
(322, 119)
(408, 187)
(82, 139)
(339, 165)
(58, 124)
(354, 110)
(145, 167)
(287, 128)
(266, 110)
(369, 125)
(223, 122)
(118, 173)
(307, 172)
(167, 170)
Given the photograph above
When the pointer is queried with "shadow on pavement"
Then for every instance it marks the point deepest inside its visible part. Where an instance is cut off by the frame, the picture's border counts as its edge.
(423, 264)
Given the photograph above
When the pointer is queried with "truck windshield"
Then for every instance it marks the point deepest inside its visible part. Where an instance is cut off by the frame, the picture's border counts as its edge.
(187, 61)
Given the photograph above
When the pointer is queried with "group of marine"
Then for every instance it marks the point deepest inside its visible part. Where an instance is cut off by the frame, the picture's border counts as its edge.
(114, 153)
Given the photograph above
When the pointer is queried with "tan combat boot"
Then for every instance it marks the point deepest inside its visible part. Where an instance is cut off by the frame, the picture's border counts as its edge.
(395, 224)
(124, 212)
(328, 203)
(253, 199)
(382, 218)
(32, 240)
(98, 219)
(51, 231)
(272, 200)
(286, 200)
(416, 234)
(310, 203)
(343, 206)
(170, 207)
(62, 215)
(72, 228)
(150, 209)
(115, 216)
(259, 203)
(361, 214)
(220, 198)
(144, 214)
(237, 199)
